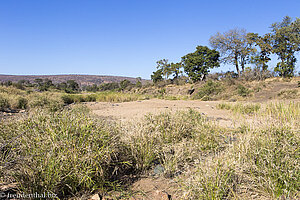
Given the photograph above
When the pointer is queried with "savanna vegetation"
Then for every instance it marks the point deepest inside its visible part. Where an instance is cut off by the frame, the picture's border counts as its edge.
(52, 143)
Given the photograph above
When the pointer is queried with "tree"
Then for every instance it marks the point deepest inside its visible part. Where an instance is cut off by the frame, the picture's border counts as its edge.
(285, 42)
(124, 84)
(72, 86)
(138, 83)
(197, 64)
(234, 47)
(157, 76)
(262, 57)
(164, 66)
(175, 69)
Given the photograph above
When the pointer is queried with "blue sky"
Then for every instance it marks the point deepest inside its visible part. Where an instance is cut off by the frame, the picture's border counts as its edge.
(120, 37)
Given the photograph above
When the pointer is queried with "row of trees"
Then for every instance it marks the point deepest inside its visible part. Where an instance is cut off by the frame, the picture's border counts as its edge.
(239, 48)
(71, 86)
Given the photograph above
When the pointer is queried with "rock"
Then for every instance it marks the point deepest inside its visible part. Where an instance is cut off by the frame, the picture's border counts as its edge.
(159, 170)
(190, 92)
(95, 197)
(162, 195)
(107, 198)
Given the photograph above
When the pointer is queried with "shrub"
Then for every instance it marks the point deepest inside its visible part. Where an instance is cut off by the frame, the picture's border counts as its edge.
(207, 90)
(22, 103)
(4, 103)
(288, 94)
(67, 99)
(243, 91)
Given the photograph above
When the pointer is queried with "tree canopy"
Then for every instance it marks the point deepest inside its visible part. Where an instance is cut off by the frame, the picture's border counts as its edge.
(285, 42)
(235, 47)
(198, 63)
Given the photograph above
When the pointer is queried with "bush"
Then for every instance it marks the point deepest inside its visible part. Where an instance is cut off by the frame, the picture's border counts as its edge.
(22, 103)
(243, 91)
(4, 104)
(288, 94)
(207, 90)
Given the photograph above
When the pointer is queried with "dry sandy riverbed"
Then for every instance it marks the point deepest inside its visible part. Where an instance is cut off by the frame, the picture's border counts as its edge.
(135, 110)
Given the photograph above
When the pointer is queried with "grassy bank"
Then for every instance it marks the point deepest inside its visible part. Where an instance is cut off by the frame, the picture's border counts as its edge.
(70, 152)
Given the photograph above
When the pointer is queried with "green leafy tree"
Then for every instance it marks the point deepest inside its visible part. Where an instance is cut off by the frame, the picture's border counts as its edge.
(285, 42)
(175, 69)
(138, 83)
(197, 64)
(157, 76)
(109, 86)
(234, 46)
(125, 84)
(261, 57)
(72, 86)
(165, 68)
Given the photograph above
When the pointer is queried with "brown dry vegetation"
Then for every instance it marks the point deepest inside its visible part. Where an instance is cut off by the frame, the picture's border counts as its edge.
(186, 149)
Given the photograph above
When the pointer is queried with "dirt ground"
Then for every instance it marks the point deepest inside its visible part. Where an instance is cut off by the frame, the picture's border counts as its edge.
(138, 109)
(150, 187)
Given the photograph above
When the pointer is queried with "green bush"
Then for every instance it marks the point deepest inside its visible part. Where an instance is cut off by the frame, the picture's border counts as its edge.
(209, 89)
(22, 103)
(243, 91)
(4, 103)
(67, 99)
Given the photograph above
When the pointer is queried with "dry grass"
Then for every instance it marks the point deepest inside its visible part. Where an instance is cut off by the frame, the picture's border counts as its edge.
(70, 152)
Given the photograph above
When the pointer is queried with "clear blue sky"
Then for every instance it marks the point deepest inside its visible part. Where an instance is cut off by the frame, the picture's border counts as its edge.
(120, 37)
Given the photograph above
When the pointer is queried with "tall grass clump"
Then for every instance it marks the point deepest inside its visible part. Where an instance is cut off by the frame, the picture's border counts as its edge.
(173, 140)
(240, 108)
(118, 97)
(283, 112)
(102, 97)
(65, 153)
(46, 100)
(210, 180)
(268, 162)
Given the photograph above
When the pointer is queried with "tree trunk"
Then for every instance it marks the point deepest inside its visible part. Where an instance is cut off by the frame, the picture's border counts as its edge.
(237, 65)
(243, 63)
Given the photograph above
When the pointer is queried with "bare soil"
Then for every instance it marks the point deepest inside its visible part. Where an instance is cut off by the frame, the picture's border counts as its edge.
(150, 187)
(136, 110)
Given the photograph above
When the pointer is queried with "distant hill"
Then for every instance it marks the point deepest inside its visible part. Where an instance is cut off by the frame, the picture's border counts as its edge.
(81, 79)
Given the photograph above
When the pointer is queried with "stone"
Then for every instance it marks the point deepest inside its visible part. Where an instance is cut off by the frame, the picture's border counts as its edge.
(162, 195)
(159, 170)
(95, 197)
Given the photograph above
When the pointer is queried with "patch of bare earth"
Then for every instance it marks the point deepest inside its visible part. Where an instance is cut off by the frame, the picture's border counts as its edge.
(136, 110)
(151, 187)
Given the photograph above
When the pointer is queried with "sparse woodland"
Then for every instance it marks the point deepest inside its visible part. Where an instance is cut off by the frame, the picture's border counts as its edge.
(51, 140)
